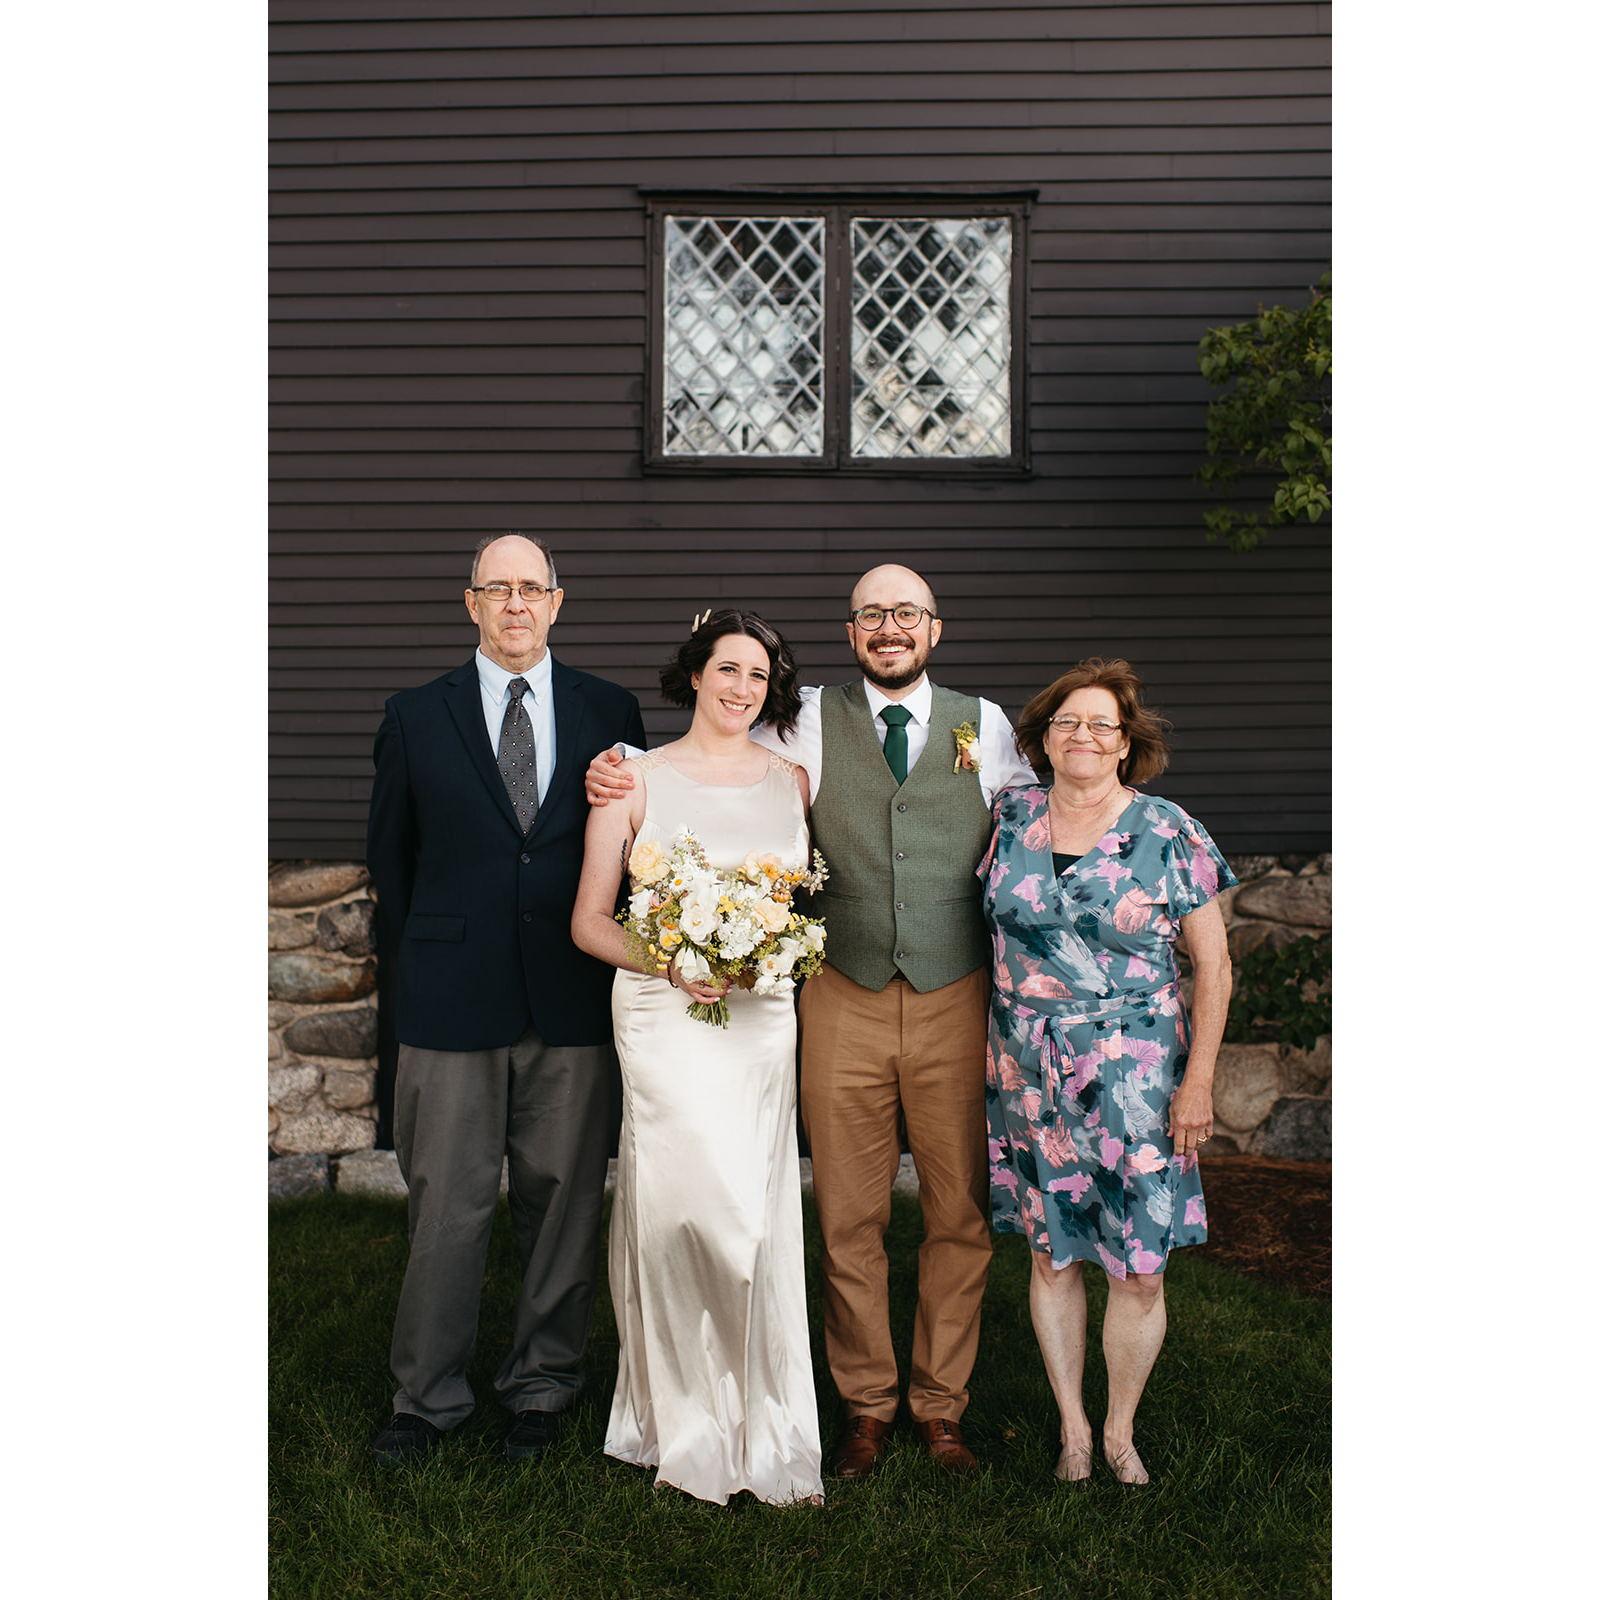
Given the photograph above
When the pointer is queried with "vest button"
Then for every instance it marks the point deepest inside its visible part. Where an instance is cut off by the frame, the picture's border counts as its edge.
(899, 905)
(899, 955)
(899, 855)
(901, 806)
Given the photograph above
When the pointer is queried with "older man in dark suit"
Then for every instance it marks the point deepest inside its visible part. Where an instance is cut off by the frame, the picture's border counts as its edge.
(475, 842)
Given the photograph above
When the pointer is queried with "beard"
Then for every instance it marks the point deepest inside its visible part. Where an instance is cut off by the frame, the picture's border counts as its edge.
(895, 672)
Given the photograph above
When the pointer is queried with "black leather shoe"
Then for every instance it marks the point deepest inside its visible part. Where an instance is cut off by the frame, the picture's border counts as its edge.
(531, 1434)
(407, 1438)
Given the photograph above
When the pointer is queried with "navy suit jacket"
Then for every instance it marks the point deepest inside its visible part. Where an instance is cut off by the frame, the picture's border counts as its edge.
(474, 919)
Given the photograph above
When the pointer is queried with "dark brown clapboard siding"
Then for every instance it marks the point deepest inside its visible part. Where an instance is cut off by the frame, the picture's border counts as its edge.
(458, 310)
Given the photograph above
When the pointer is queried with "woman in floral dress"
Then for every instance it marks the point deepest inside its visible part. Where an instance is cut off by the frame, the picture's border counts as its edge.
(1099, 1088)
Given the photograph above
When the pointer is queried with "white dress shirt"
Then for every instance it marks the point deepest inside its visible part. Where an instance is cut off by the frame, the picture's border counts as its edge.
(494, 684)
(999, 764)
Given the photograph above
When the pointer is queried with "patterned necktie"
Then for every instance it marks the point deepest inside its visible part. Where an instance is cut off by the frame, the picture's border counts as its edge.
(895, 750)
(519, 761)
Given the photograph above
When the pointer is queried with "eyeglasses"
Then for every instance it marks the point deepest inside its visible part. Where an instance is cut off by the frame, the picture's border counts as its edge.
(870, 618)
(501, 592)
(1098, 726)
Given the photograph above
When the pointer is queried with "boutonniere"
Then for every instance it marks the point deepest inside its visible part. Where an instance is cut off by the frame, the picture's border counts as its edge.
(966, 737)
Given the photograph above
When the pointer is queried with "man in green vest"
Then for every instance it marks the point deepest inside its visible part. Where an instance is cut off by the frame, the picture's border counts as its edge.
(903, 775)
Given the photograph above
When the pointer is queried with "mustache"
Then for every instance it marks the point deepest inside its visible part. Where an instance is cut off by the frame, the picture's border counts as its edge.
(879, 644)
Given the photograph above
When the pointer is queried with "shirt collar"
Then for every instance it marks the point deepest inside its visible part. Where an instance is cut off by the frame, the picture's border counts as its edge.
(919, 702)
(496, 680)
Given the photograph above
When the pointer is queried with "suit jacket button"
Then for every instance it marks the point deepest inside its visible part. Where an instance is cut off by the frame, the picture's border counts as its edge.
(527, 916)
(524, 858)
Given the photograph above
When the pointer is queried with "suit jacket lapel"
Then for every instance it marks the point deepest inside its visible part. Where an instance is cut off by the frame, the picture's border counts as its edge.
(465, 701)
(569, 709)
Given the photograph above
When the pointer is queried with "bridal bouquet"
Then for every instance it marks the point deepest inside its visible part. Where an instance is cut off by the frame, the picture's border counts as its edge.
(736, 926)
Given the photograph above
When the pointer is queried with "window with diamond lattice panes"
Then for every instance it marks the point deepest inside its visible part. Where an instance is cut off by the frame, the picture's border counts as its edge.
(930, 337)
(743, 337)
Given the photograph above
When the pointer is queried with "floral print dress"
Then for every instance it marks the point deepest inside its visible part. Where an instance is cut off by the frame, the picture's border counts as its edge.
(1088, 1033)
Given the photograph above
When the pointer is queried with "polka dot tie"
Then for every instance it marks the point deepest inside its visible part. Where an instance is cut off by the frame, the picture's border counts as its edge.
(519, 761)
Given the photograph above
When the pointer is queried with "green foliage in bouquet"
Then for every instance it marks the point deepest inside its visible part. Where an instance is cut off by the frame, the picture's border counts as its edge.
(1277, 416)
(1283, 995)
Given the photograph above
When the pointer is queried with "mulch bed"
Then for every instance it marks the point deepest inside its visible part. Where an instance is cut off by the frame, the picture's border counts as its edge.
(1271, 1219)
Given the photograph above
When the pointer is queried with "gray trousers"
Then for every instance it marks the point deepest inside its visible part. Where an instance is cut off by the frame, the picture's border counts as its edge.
(456, 1113)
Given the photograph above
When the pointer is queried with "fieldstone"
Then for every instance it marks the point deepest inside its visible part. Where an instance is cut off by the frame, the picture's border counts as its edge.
(280, 1012)
(1306, 902)
(1247, 1085)
(1325, 862)
(370, 1172)
(1299, 1129)
(290, 930)
(1225, 904)
(1245, 936)
(273, 1119)
(312, 883)
(352, 1035)
(312, 978)
(291, 1177)
(331, 1132)
(1309, 1071)
(347, 926)
(348, 1091)
(905, 1180)
(1295, 862)
(1248, 868)
(1221, 1145)
(274, 1047)
(289, 1088)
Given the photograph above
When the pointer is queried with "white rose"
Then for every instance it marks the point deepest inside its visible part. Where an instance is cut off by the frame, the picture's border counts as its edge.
(772, 917)
(815, 935)
(787, 954)
(698, 922)
(639, 905)
(692, 966)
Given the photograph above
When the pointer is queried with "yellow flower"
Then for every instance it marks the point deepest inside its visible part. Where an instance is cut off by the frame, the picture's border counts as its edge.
(648, 862)
(671, 939)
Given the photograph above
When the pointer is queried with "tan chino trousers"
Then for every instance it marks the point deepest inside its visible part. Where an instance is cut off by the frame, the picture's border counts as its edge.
(865, 1058)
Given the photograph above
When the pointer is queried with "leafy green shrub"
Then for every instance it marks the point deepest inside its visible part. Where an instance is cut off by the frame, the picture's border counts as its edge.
(1277, 416)
(1283, 995)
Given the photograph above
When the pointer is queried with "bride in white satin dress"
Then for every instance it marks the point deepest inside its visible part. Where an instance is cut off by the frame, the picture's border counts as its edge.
(714, 1385)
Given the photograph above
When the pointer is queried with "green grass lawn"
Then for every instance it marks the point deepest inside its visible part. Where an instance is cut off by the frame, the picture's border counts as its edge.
(1234, 1428)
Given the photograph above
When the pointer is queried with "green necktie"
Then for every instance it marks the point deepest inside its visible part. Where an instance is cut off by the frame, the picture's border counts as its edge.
(895, 751)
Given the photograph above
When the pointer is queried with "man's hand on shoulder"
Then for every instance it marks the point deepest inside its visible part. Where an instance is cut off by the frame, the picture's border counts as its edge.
(607, 779)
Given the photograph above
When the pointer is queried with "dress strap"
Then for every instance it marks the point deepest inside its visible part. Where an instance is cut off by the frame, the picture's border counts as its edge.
(650, 760)
(777, 763)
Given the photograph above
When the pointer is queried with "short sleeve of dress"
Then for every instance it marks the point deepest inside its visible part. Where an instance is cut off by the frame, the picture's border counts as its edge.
(996, 811)
(1196, 871)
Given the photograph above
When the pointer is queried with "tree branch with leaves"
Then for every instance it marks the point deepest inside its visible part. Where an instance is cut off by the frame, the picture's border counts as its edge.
(1276, 417)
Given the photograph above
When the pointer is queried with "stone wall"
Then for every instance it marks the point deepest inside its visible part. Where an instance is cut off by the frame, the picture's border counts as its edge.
(322, 1017)
(322, 1009)
(1271, 1100)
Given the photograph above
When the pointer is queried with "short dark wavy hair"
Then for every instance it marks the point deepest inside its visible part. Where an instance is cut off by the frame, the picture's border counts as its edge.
(1146, 729)
(781, 707)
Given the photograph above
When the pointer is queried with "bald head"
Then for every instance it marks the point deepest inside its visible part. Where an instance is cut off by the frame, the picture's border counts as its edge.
(890, 584)
(893, 654)
(517, 547)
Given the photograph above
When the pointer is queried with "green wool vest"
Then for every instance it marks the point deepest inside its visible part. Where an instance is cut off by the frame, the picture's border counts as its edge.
(901, 894)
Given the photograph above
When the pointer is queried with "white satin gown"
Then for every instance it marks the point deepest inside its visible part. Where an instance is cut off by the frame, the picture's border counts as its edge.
(714, 1385)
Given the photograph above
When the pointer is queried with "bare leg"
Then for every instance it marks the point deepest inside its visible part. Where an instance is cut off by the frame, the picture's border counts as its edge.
(1060, 1321)
(1136, 1323)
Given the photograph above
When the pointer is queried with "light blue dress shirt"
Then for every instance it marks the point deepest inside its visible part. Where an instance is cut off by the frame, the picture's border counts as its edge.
(494, 684)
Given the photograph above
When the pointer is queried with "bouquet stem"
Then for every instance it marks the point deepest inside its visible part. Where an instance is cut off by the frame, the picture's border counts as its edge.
(716, 1013)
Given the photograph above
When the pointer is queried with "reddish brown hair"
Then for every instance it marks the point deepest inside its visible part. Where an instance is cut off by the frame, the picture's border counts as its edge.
(1144, 729)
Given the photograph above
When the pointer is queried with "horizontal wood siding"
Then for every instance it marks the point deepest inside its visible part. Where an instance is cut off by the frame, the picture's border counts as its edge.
(459, 286)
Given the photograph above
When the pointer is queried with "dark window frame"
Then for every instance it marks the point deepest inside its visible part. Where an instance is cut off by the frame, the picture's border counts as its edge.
(837, 206)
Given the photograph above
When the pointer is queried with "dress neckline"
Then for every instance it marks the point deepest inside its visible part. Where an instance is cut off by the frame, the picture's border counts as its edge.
(1114, 826)
(696, 783)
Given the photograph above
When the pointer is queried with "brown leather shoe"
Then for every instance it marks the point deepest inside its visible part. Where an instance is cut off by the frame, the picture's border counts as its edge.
(859, 1446)
(945, 1444)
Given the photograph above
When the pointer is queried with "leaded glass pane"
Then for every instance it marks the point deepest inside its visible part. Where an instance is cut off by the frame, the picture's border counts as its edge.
(930, 347)
(743, 348)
